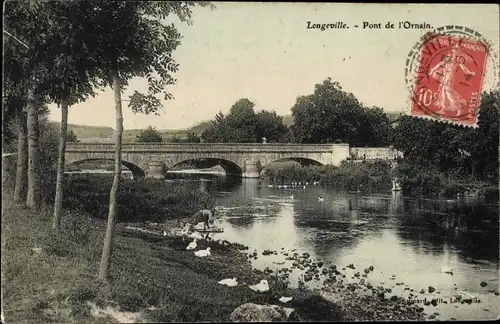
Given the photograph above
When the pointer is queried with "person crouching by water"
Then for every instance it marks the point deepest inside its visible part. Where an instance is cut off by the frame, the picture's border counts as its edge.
(205, 216)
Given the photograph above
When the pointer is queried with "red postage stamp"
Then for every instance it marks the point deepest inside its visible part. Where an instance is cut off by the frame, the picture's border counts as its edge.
(450, 79)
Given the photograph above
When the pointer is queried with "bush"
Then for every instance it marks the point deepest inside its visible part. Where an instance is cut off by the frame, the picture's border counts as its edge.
(150, 135)
(348, 176)
(430, 182)
(371, 176)
(148, 200)
(49, 153)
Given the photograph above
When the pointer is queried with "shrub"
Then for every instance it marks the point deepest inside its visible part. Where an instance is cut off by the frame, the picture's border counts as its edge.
(348, 176)
(148, 200)
(150, 135)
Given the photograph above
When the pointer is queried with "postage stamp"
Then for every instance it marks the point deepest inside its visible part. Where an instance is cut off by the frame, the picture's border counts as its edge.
(449, 67)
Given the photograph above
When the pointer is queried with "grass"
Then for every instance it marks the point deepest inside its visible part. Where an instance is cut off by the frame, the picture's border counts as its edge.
(146, 200)
(53, 284)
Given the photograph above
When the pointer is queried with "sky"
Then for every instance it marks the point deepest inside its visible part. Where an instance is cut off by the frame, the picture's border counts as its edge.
(266, 53)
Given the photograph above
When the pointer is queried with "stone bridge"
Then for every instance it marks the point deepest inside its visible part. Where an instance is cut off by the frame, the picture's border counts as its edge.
(244, 159)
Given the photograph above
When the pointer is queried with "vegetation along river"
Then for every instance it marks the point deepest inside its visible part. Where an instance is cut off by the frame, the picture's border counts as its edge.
(412, 244)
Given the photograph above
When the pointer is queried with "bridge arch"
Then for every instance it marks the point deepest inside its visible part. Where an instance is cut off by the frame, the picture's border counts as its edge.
(230, 167)
(137, 171)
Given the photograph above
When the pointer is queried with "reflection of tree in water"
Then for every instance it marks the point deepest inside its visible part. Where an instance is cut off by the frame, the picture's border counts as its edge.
(450, 216)
(468, 244)
(329, 228)
(471, 228)
(245, 222)
(245, 216)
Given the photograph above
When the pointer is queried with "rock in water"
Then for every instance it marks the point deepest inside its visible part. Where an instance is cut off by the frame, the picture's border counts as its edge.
(260, 313)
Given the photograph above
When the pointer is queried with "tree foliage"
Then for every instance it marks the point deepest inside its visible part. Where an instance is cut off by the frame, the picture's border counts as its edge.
(454, 150)
(71, 136)
(243, 125)
(150, 135)
(192, 138)
(331, 115)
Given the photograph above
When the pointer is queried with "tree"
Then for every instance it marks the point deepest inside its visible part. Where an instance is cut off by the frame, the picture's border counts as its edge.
(34, 197)
(328, 115)
(243, 125)
(270, 126)
(192, 138)
(215, 132)
(71, 136)
(121, 40)
(484, 140)
(57, 67)
(239, 126)
(150, 135)
(175, 139)
(375, 128)
(241, 122)
(452, 149)
(130, 39)
(14, 100)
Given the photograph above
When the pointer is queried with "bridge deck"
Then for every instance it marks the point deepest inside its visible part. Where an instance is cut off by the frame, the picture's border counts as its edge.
(202, 147)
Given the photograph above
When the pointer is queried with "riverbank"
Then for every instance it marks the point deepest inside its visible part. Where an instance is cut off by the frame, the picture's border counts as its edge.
(51, 278)
(378, 176)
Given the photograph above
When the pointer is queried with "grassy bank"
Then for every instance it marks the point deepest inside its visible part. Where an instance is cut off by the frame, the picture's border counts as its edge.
(146, 200)
(378, 176)
(49, 278)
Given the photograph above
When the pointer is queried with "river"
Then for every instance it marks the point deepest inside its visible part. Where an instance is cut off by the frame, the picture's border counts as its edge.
(409, 242)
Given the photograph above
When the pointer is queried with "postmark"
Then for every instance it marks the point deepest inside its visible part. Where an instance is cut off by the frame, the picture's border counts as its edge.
(445, 74)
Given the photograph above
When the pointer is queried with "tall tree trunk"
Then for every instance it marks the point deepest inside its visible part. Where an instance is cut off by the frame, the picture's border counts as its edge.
(56, 220)
(108, 239)
(21, 186)
(34, 198)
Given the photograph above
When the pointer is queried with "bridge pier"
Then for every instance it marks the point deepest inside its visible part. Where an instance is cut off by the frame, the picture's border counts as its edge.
(156, 170)
(252, 169)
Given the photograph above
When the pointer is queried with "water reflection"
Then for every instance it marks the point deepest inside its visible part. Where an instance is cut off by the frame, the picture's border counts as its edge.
(409, 238)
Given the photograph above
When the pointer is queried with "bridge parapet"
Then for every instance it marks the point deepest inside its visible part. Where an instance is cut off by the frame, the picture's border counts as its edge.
(204, 147)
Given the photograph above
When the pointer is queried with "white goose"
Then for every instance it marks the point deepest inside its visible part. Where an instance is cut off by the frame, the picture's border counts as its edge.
(230, 282)
(202, 253)
(164, 233)
(262, 286)
(320, 199)
(192, 245)
(284, 299)
(195, 236)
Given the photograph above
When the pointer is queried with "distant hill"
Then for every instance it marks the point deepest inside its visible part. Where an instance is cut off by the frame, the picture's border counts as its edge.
(84, 131)
(199, 128)
(105, 134)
